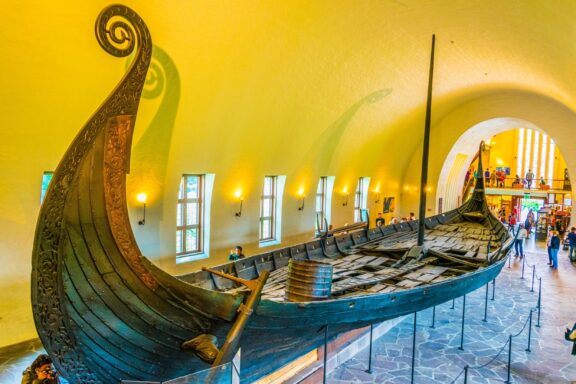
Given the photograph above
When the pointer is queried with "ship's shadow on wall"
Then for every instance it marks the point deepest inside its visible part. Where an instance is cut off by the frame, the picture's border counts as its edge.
(149, 160)
(324, 148)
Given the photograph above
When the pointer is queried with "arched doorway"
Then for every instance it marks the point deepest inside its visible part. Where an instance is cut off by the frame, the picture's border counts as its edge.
(522, 148)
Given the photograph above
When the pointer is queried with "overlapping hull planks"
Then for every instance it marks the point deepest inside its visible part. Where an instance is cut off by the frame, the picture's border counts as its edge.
(105, 314)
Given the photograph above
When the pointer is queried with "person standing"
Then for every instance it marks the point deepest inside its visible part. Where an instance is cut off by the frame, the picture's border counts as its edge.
(554, 247)
(519, 241)
(236, 254)
(572, 243)
(487, 175)
(529, 178)
(380, 220)
(494, 178)
(501, 179)
(529, 222)
(512, 221)
(542, 182)
(548, 240)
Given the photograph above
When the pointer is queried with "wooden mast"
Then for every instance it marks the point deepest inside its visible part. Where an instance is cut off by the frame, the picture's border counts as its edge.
(424, 176)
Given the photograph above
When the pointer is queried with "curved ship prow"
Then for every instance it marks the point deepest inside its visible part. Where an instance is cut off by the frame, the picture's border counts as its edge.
(103, 312)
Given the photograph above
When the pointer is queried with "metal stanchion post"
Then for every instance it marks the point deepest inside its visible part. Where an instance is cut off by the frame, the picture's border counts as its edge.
(325, 353)
(465, 374)
(413, 349)
(539, 300)
(529, 332)
(533, 276)
(509, 262)
(493, 289)
(523, 264)
(433, 317)
(369, 370)
(486, 305)
(463, 317)
(509, 357)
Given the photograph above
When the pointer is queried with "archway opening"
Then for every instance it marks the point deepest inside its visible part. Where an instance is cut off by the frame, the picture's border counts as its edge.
(524, 170)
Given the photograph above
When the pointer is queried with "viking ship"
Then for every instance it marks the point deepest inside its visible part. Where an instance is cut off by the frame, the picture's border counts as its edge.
(105, 313)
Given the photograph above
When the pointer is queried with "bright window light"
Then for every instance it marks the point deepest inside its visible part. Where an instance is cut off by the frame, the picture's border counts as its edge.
(520, 152)
(535, 157)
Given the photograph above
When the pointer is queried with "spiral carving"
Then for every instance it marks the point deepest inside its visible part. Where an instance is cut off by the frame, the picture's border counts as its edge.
(118, 29)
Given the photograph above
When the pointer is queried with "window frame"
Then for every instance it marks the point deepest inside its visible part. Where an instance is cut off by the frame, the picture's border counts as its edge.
(182, 205)
(321, 193)
(361, 198)
(271, 200)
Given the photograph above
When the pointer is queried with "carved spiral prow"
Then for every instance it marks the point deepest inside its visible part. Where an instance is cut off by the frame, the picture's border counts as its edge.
(119, 29)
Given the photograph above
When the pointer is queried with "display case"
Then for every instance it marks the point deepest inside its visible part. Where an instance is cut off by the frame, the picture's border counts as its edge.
(542, 223)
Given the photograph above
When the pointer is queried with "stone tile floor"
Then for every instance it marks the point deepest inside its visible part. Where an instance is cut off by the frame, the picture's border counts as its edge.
(438, 359)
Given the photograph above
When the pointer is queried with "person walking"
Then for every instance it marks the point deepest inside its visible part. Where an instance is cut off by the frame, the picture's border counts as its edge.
(548, 240)
(554, 247)
(572, 243)
(519, 241)
(512, 222)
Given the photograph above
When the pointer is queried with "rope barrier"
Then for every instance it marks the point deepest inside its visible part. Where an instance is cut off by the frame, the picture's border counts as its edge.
(511, 336)
(477, 367)
(457, 377)
(491, 360)
(523, 328)
(508, 343)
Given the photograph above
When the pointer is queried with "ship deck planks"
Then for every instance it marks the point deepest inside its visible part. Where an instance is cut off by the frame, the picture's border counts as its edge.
(459, 246)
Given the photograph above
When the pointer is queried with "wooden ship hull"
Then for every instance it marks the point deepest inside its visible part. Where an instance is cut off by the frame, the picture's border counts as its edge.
(105, 313)
(370, 284)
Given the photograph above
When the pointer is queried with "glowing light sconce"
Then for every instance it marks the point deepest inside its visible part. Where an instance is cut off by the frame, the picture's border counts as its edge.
(377, 192)
(239, 196)
(345, 192)
(302, 196)
(142, 197)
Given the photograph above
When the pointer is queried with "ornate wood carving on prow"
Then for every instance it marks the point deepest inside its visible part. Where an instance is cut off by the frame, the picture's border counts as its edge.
(119, 31)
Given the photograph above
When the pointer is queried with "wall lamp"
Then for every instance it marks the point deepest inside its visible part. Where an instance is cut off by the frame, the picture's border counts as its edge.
(377, 192)
(346, 194)
(303, 197)
(239, 196)
(142, 197)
